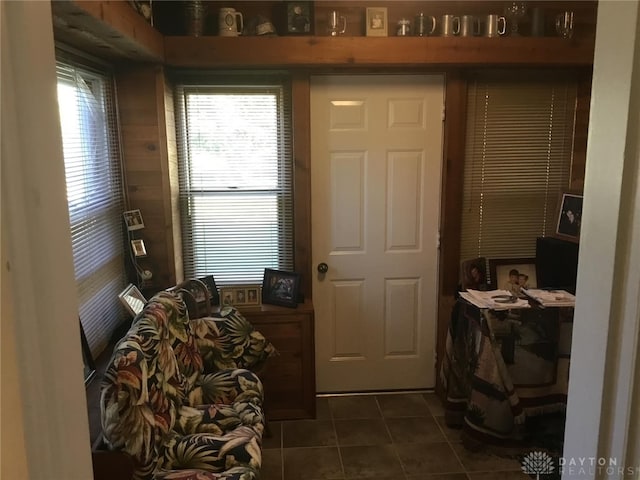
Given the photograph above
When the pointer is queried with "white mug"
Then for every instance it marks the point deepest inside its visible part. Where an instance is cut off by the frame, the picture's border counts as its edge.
(494, 24)
(230, 22)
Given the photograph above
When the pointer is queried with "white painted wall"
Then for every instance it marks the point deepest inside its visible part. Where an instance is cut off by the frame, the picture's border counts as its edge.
(48, 438)
(605, 336)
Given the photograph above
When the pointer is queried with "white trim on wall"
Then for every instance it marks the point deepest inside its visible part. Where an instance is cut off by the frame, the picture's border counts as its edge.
(605, 335)
(41, 310)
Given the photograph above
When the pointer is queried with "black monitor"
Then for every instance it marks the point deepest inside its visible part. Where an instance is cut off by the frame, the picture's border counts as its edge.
(556, 263)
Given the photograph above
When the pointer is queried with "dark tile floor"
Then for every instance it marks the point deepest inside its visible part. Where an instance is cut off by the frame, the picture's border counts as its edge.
(382, 437)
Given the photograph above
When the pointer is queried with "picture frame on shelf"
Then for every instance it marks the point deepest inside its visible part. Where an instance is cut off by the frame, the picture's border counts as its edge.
(138, 247)
(299, 18)
(513, 274)
(280, 288)
(377, 22)
(238, 296)
(132, 299)
(133, 220)
(210, 282)
(569, 216)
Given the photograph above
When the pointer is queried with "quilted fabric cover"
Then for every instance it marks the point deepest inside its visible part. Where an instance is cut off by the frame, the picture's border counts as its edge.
(177, 420)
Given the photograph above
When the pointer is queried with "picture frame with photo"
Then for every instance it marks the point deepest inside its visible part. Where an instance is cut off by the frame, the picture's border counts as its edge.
(299, 18)
(513, 274)
(132, 299)
(377, 22)
(138, 247)
(244, 295)
(280, 288)
(569, 216)
(133, 220)
(210, 283)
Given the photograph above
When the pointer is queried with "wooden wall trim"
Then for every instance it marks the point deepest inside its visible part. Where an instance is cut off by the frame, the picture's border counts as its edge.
(301, 92)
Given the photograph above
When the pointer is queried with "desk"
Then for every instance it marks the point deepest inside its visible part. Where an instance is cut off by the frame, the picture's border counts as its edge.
(501, 367)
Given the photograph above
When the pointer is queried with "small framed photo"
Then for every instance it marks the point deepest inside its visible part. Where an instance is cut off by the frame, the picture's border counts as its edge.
(513, 274)
(210, 282)
(376, 22)
(569, 216)
(138, 248)
(132, 299)
(133, 219)
(299, 19)
(240, 295)
(280, 288)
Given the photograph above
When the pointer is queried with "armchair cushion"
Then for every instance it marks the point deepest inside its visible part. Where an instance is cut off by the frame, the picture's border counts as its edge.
(228, 340)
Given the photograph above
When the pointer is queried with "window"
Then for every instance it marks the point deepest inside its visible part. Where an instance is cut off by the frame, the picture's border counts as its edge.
(519, 145)
(235, 166)
(94, 194)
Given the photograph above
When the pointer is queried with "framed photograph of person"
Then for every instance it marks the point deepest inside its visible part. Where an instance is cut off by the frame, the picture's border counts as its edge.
(299, 17)
(138, 247)
(280, 288)
(569, 216)
(132, 299)
(241, 295)
(210, 282)
(513, 274)
(133, 219)
(376, 22)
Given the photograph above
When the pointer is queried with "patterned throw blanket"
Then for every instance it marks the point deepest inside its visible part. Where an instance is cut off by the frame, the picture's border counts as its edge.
(501, 368)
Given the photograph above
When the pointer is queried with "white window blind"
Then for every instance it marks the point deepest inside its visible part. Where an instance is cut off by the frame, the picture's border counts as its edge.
(235, 165)
(95, 197)
(518, 157)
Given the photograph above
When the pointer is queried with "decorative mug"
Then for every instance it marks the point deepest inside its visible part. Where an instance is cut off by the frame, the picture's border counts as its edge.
(496, 26)
(421, 25)
(450, 25)
(469, 26)
(230, 22)
(564, 24)
(337, 23)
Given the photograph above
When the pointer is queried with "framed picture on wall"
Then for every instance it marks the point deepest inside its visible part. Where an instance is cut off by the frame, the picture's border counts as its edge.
(133, 219)
(569, 216)
(138, 247)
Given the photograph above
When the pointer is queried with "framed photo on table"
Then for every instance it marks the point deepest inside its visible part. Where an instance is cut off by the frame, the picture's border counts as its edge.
(210, 282)
(377, 22)
(513, 274)
(132, 299)
(242, 295)
(569, 216)
(280, 288)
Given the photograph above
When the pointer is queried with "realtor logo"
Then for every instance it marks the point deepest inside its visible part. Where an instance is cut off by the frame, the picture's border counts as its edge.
(537, 463)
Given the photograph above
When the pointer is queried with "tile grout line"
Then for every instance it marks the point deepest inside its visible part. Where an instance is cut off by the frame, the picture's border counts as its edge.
(393, 444)
(335, 432)
(448, 440)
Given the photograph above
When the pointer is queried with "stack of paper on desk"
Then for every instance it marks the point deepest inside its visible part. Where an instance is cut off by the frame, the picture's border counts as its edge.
(551, 298)
(494, 299)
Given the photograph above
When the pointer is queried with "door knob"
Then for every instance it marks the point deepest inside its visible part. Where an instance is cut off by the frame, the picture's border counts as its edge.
(323, 267)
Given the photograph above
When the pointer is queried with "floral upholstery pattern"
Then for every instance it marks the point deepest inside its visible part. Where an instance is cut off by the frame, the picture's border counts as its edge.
(228, 340)
(178, 420)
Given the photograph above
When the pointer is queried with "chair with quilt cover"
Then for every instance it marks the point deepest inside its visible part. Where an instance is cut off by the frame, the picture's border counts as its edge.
(163, 404)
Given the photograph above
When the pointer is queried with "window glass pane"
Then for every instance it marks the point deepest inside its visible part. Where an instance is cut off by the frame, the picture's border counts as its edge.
(95, 198)
(235, 166)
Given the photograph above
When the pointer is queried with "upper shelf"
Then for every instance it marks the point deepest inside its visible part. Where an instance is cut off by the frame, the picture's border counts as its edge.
(114, 30)
(376, 51)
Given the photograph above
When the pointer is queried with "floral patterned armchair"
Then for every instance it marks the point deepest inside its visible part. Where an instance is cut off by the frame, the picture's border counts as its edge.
(178, 397)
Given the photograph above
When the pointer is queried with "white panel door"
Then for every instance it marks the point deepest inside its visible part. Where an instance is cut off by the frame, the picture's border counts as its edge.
(376, 167)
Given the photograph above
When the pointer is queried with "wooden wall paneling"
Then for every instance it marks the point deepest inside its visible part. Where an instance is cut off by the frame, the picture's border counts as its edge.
(302, 179)
(174, 226)
(451, 207)
(143, 133)
(581, 131)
